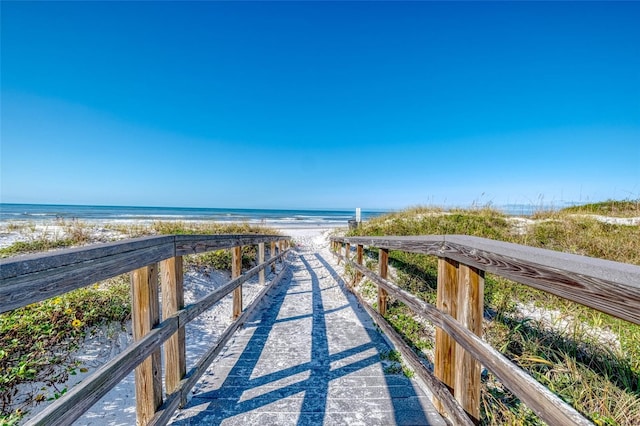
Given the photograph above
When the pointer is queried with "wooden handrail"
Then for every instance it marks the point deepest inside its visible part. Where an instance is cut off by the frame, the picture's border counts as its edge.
(32, 278)
(28, 279)
(610, 287)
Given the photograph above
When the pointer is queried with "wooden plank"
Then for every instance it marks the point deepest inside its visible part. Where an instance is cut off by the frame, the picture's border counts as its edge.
(272, 254)
(359, 259)
(610, 295)
(543, 402)
(48, 281)
(261, 278)
(192, 244)
(427, 244)
(32, 278)
(39, 262)
(168, 407)
(470, 309)
(610, 287)
(236, 271)
(173, 301)
(84, 395)
(383, 271)
(446, 302)
(145, 314)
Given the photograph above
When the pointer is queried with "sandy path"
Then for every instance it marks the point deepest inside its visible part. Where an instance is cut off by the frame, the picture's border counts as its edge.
(310, 355)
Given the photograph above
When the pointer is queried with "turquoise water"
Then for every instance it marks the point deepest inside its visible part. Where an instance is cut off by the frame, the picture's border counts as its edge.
(42, 212)
(328, 217)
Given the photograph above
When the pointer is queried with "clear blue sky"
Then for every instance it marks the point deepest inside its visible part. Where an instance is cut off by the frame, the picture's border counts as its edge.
(294, 105)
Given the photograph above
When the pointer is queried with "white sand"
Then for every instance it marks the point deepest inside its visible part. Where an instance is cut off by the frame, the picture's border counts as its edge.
(628, 221)
(104, 343)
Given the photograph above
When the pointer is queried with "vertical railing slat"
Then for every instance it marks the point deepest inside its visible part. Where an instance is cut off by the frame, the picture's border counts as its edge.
(260, 262)
(272, 253)
(172, 278)
(446, 301)
(383, 262)
(359, 256)
(469, 313)
(236, 270)
(145, 315)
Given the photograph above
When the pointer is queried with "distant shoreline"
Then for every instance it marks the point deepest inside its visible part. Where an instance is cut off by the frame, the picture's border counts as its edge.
(124, 214)
(268, 217)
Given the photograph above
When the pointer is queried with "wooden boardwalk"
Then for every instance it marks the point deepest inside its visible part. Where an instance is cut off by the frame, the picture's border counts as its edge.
(308, 356)
(311, 355)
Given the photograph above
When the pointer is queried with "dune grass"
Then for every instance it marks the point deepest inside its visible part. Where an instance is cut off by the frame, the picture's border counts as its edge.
(613, 208)
(590, 359)
(70, 233)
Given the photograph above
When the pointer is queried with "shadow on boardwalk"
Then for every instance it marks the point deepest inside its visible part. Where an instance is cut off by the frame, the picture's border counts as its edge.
(309, 356)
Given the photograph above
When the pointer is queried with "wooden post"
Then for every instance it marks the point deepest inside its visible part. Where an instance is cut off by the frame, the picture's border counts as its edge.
(175, 366)
(145, 315)
(280, 249)
(470, 311)
(446, 301)
(359, 255)
(347, 251)
(272, 253)
(236, 270)
(383, 263)
(261, 261)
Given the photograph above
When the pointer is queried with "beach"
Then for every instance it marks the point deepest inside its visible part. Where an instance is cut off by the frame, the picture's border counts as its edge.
(108, 340)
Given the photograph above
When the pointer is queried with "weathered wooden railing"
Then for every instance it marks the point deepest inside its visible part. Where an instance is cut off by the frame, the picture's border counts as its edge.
(610, 287)
(28, 279)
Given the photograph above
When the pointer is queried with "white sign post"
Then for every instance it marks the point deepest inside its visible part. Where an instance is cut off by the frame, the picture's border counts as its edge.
(358, 215)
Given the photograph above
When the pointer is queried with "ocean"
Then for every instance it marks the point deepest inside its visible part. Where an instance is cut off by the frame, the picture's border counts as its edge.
(271, 217)
(283, 217)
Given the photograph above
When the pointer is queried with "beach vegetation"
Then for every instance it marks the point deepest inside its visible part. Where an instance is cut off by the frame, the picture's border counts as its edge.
(611, 208)
(34, 246)
(60, 234)
(588, 358)
(392, 363)
(207, 228)
(36, 342)
(14, 226)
